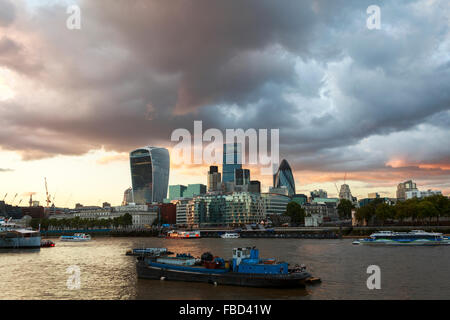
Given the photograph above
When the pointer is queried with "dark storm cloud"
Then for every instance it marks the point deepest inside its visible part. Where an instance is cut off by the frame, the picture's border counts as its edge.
(7, 13)
(137, 70)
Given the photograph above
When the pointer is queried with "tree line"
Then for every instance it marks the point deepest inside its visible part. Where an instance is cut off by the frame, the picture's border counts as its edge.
(424, 210)
(83, 223)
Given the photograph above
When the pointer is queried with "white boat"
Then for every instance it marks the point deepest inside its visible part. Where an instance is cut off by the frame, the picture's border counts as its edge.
(230, 235)
(77, 237)
(15, 236)
(415, 238)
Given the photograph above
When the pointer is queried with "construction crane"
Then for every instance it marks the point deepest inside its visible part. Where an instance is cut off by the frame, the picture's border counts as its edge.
(5, 196)
(337, 190)
(19, 202)
(14, 199)
(46, 193)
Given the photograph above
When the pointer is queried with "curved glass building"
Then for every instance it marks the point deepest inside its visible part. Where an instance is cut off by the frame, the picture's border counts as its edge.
(149, 174)
(284, 177)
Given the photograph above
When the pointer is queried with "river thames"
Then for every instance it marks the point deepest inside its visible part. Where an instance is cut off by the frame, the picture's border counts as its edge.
(107, 273)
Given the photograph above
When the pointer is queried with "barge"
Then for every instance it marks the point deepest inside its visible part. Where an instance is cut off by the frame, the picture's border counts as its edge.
(245, 269)
(148, 252)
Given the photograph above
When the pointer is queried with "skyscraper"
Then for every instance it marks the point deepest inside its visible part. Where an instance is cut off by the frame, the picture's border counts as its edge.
(232, 159)
(214, 179)
(284, 177)
(241, 177)
(345, 192)
(149, 174)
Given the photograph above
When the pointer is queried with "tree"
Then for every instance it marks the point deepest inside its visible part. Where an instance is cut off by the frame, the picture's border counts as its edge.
(384, 212)
(295, 212)
(344, 209)
(127, 219)
(426, 209)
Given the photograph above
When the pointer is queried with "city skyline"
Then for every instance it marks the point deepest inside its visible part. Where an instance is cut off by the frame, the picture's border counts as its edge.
(74, 103)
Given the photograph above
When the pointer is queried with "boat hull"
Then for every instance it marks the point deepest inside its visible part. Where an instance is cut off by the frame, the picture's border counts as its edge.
(20, 242)
(291, 280)
(405, 243)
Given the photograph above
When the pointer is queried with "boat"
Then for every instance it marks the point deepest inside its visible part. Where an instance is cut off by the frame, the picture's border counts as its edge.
(244, 269)
(415, 237)
(230, 235)
(148, 252)
(15, 236)
(173, 234)
(77, 237)
(47, 243)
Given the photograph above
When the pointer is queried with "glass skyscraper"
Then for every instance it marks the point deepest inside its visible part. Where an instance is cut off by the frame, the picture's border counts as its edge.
(232, 159)
(284, 177)
(149, 174)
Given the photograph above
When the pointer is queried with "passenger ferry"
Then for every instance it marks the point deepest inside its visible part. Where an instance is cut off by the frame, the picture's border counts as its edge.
(230, 235)
(183, 234)
(77, 237)
(415, 237)
(15, 236)
(245, 268)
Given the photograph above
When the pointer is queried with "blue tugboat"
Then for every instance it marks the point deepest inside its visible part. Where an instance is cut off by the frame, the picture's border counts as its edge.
(245, 269)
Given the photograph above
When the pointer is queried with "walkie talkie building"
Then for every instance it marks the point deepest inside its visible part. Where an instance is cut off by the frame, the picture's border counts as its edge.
(149, 174)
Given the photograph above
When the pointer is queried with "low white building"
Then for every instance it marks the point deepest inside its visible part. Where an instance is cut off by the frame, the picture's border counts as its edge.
(313, 220)
(421, 194)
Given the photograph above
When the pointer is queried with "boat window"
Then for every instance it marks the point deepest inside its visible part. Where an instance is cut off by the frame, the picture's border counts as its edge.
(239, 254)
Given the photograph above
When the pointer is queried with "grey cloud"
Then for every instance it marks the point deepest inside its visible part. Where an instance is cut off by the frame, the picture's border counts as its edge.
(136, 71)
(7, 13)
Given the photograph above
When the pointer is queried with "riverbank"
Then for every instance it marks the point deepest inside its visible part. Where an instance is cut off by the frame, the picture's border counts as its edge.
(290, 232)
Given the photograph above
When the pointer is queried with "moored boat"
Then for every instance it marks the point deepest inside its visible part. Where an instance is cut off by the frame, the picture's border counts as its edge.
(15, 236)
(173, 234)
(47, 243)
(148, 252)
(244, 269)
(415, 238)
(77, 237)
(230, 235)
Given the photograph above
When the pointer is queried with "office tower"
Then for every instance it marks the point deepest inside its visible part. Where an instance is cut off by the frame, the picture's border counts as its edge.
(284, 177)
(255, 186)
(232, 159)
(241, 177)
(176, 192)
(214, 179)
(149, 174)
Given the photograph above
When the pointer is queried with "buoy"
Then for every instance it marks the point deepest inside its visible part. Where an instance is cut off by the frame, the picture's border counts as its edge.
(215, 284)
(163, 278)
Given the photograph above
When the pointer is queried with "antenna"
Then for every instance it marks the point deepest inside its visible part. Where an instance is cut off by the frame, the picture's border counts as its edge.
(345, 177)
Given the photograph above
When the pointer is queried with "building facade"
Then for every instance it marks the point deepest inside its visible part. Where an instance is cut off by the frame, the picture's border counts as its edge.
(232, 160)
(214, 179)
(149, 174)
(404, 187)
(275, 203)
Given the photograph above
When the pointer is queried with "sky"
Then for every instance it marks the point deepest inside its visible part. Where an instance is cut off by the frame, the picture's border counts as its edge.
(368, 105)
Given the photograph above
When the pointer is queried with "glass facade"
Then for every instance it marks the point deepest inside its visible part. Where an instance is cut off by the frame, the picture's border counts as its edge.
(241, 177)
(284, 177)
(232, 160)
(194, 190)
(149, 174)
(176, 192)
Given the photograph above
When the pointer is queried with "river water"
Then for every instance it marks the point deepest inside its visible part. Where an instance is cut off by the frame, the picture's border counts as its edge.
(106, 273)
